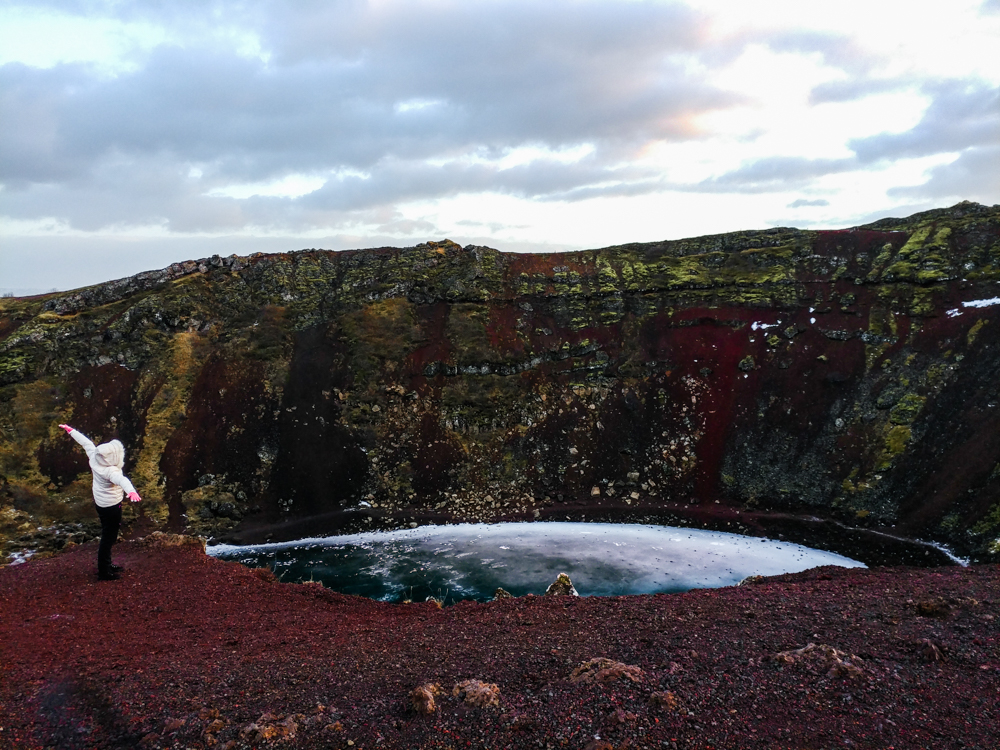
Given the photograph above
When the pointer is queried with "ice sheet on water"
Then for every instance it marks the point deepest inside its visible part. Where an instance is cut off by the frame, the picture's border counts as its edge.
(602, 559)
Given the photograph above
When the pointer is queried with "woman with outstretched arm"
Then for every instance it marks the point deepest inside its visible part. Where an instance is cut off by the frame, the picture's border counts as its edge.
(106, 462)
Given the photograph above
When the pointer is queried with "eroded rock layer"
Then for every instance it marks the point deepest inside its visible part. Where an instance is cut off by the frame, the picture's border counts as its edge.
(826, 385)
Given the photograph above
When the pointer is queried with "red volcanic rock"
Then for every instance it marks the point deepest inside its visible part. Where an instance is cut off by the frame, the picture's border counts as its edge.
(835, 388)
(187, 651)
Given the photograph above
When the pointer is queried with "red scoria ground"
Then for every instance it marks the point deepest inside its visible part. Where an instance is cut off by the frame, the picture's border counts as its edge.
(189, 652)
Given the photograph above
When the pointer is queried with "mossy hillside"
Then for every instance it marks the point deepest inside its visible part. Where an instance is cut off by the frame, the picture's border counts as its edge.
(473, 384)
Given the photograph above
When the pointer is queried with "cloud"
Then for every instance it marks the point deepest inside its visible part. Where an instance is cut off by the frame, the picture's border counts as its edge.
(852, 89)
(361, 118)
(962, 114)
(802, 202)
(835, 49)
(387, 102)
(779, 173)
(972, 176)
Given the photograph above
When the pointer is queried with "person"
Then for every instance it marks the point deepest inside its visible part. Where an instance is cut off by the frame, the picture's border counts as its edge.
(106, 462)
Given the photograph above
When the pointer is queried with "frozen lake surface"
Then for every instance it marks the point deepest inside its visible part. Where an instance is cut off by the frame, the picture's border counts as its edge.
(469, 561)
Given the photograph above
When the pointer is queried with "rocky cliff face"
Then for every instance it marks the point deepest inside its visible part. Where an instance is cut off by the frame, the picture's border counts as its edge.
(824, 384)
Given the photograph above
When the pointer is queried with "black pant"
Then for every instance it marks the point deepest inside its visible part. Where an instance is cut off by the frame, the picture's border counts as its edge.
(111, 520)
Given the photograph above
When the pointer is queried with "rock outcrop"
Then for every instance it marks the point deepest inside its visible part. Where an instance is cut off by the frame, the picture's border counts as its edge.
(836, 387)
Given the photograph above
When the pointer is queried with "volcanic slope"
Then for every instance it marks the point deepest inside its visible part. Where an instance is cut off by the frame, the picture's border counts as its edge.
(186, 651)
(835, 387)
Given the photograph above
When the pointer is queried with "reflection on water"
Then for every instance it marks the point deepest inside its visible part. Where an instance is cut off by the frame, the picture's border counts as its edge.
(469, 561)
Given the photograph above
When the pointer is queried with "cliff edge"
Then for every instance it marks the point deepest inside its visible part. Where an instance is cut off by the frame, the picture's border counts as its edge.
(836, 387)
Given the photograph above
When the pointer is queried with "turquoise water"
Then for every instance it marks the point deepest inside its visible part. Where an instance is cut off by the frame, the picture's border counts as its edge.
(470, 561)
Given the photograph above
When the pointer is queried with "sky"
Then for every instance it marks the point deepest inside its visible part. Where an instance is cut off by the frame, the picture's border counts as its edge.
(134, 134)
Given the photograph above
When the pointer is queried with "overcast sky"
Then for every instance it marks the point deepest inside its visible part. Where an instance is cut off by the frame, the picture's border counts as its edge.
(135, 134)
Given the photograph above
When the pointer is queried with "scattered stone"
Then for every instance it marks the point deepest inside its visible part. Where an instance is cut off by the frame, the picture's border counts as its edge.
(172, 725)
(620, 716)
(476, 693)
(747, 363)
(562, 586)
(750, 580)
(664, 699)
(933, 608)
(517, 720)
(422, 697)
(929, 650)
(502, 594)
(824, 658)
(604, 670)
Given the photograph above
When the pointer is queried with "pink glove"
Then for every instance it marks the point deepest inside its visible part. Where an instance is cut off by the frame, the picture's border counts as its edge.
(134, 497)
(67, 428)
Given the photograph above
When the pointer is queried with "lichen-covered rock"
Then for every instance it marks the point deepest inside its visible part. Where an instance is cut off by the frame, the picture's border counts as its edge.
(422, 698)
(833, 375)
(825, 659)
(605, 670)
(477, 693)
(562, 586)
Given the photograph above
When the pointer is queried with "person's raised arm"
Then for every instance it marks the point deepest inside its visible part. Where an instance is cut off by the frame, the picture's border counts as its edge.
(82, 439)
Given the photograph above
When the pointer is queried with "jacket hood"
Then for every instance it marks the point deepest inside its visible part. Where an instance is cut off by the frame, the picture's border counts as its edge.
(111, 454)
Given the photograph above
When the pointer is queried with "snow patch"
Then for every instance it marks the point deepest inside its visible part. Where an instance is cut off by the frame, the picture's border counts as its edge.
(953, 313)
(19, 558)
(982, 302)
(755, 326)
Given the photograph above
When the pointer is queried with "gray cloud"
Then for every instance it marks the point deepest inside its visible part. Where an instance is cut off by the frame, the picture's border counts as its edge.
(776, 173)
(837, 50)
(416, 101)
(972, 176)
(347, 88)
(962, 114)
(802, 202)
(857, 88)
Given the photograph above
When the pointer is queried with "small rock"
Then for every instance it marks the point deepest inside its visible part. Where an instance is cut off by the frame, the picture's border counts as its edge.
(835, 663)
(930, 651)
(215, 727)
(422, 698)
(562, 586)
(605, 670)
(664, 699)
(477, 693)
(172, 725)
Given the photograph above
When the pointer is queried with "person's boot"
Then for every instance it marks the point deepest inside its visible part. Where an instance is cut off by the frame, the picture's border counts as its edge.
(107, 575)
(116, 568)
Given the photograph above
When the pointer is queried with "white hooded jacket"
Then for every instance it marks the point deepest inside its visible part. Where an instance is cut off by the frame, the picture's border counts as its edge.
(106, 461)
